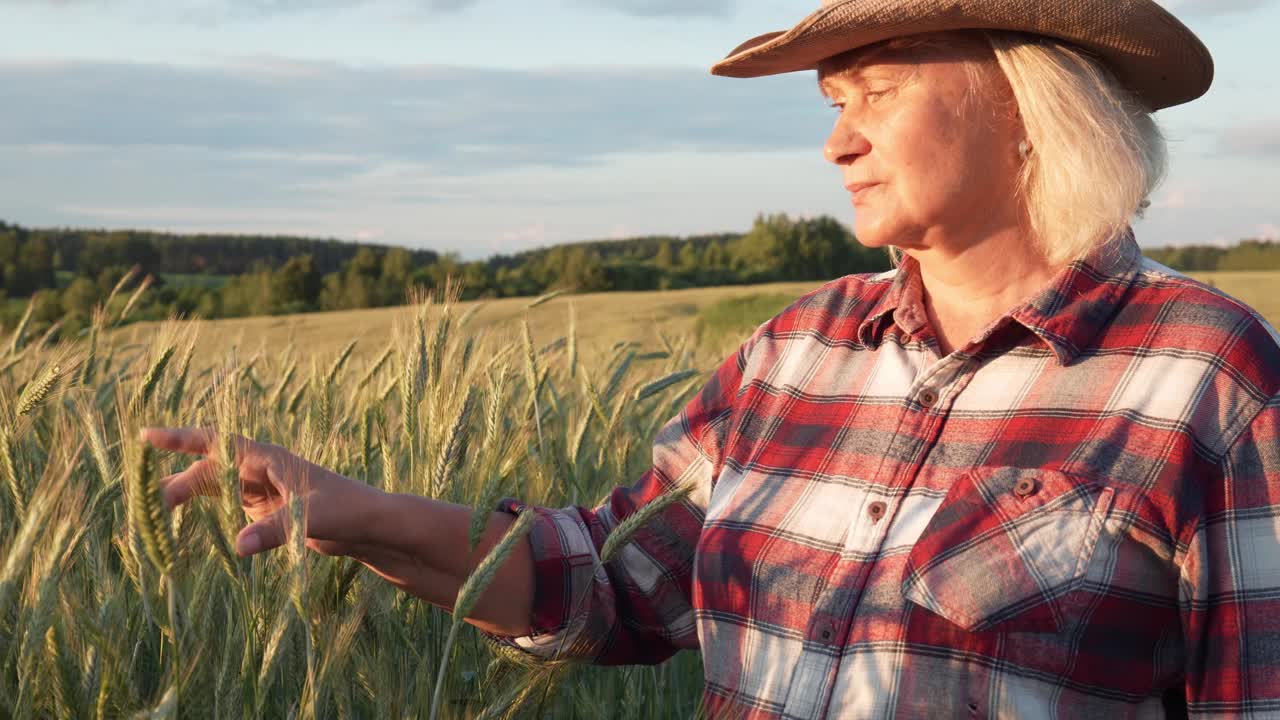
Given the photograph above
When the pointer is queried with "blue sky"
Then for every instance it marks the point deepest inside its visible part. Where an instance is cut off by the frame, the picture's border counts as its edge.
(483, 126)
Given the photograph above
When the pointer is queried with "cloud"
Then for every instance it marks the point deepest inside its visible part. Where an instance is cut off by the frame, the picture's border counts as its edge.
(216, 11)
(478, 160)
(1255, 139)
(665, 8)
(461, 121)
(222, 10)
(1209, 8)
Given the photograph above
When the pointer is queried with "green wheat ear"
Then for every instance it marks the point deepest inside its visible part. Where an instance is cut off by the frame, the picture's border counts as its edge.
(149, 515)
(152, 378)
(38, 390)
(626, 530)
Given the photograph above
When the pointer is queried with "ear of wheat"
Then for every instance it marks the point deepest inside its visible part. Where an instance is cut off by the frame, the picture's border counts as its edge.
(626, 530)
(147, 510)
(151, 379)
(9, 467)
(38, 390)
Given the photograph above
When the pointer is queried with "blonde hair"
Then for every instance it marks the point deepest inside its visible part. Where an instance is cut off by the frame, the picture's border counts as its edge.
(1096, 153)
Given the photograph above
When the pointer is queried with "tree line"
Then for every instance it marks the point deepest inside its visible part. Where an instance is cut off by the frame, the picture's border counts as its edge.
(1244, 255)
(68, 273)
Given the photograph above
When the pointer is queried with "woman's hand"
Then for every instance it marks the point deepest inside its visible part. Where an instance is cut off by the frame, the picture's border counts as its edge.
(337, 510)
(418, 544)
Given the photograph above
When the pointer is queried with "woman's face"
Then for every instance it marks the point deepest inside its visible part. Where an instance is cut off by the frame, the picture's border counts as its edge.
(928, 161)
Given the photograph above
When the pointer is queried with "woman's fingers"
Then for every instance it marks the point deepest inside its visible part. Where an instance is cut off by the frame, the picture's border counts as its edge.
(196, 441)
(200, 478)
(193, 441)
(265, 534)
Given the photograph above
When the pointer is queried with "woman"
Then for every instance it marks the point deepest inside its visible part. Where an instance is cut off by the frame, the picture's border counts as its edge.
(1029, 473)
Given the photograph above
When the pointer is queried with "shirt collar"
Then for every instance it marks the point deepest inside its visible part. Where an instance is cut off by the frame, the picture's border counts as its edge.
(1066, 315)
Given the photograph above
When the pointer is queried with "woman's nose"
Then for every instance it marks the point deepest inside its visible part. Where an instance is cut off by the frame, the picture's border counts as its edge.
(846, 142)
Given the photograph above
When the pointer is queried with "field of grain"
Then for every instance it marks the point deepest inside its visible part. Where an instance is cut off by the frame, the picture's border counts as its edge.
(111, 606)
(603, 318)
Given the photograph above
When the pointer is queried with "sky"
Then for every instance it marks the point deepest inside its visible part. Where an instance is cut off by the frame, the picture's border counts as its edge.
(492, 126)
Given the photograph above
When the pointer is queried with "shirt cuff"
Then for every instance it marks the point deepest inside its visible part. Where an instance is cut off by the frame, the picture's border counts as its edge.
(564, 562)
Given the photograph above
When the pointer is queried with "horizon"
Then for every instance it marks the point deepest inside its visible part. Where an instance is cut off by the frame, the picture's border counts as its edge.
(487, 128)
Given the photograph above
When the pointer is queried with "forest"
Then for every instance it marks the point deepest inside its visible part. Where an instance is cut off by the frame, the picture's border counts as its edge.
(69, 272)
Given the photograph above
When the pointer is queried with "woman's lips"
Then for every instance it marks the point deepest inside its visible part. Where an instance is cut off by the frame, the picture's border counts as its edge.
(859, 190)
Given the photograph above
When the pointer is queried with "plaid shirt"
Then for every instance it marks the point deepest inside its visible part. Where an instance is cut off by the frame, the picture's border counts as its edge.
(1066, 517)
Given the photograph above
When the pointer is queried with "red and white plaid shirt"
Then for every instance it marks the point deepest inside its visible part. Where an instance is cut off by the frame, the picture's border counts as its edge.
(1066, 517)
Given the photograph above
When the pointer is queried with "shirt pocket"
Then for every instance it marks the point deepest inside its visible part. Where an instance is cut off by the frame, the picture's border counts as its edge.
(1005, 547)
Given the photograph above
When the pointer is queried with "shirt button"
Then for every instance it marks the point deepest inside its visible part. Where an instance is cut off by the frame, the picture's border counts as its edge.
(826, 634)
(928, 397)
(876, 510)
(1025, 487)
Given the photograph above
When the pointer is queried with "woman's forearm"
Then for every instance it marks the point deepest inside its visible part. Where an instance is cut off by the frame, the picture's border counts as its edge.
(421, 546)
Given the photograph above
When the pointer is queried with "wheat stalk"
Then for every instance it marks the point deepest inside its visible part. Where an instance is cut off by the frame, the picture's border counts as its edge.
(87, 368)
(661, 384)
(274, 400)
(377, 366)
(541, 299)
(8, 465)
(471, 590)
(20, 333)
(180, 382)
(133, 299)
(124, 280)
(272, 653)
(573, 340)
(340, 362)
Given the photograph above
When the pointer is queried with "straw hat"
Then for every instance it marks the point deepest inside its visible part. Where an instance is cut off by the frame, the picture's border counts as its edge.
(1147, 48)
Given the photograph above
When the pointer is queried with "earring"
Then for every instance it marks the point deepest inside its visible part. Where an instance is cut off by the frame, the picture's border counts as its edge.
(1024, 149)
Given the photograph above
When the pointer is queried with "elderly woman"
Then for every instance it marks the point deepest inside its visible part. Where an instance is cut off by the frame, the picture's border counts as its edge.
(1027, 474)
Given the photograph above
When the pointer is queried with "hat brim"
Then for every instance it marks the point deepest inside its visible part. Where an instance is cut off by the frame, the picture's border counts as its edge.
(1147, 48)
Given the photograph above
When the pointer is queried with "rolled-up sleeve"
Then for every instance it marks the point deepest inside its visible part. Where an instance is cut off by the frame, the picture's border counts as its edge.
(636, 608)
(1231, 582)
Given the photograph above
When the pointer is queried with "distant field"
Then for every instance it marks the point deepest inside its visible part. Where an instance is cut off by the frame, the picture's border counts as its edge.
(716, 317)
(603, 319)
(1261, 290)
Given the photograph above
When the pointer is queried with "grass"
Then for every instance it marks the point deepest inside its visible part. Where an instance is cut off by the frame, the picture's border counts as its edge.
(734, 318)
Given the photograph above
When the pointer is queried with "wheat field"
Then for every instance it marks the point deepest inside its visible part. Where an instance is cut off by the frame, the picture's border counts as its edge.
(111, 606)
(603, 318)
